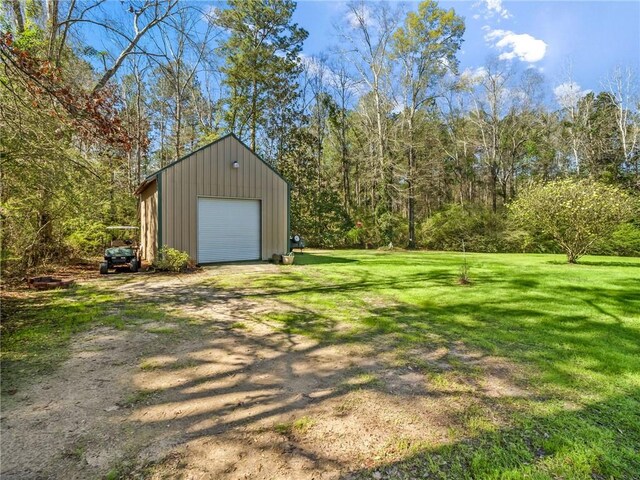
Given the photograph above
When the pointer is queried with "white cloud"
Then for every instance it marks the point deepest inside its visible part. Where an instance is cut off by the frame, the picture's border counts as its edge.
(522, 46)
(568, 94)
(495, 8)
(444, 62)
(492, 9)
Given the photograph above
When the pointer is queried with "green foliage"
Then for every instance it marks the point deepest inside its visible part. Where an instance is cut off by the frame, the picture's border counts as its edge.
(61, 148)
(464, 277)
(575, 213)
(171, 260)
(369, 231)
(518, 240)
(85, 237)
(354, 237)
(624, 241)
(479, 228)
(430, 33)
(364, 234)
(320, 219)
(261, 59)
(392, 228)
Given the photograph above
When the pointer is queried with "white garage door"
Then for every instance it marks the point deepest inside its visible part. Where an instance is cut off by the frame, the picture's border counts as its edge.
(228, 230)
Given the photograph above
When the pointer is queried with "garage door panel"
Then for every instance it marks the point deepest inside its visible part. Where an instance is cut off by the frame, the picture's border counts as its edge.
(228, 230)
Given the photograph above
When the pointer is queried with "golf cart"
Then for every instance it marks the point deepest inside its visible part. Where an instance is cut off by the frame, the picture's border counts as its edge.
(122, 252)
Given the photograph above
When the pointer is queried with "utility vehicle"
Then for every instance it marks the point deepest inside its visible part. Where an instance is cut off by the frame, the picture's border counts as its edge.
(122, 252)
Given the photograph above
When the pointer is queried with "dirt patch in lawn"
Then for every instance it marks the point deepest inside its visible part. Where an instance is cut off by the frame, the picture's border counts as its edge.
(235, 397)
(68, 424)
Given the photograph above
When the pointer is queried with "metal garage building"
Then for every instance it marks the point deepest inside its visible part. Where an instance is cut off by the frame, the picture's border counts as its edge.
(220, 203)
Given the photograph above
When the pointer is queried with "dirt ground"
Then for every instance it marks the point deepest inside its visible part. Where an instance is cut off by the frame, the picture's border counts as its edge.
(233, 398)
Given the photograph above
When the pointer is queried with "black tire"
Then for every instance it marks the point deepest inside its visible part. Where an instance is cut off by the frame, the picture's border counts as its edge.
(134, 265)
(104, 268)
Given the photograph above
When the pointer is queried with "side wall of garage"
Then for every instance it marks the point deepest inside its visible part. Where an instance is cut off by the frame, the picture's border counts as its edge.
(149, 222)
(209, 172)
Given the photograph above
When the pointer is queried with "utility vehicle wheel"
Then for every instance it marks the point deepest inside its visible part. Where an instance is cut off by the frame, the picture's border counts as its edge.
(104, 268)
(135, 265)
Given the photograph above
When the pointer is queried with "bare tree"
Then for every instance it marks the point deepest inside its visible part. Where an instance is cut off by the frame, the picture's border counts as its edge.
(623, 86)
(366, 44)
(490, 105)
(575, 109)
(145, 17)
(314, 83)
(425, 46)
(135, 94)
(183, 47)
(343, 88)
(458, 142)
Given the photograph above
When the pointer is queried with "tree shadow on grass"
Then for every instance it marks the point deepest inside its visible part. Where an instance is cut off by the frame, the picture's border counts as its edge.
(597, 263)
(506, 318)
(571, 350)
(598, 439)
(39, 326)
(315, 259)
(362, 282)
(611, 264)
(558, 445)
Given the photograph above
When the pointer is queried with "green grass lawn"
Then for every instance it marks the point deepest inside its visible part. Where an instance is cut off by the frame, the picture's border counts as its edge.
(569, 335)
(571, 331)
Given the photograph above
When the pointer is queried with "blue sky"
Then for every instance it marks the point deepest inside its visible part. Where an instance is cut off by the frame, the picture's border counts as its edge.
(587, 38)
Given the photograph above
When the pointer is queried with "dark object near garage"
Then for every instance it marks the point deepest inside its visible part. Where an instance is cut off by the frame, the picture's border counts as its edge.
(296, 242)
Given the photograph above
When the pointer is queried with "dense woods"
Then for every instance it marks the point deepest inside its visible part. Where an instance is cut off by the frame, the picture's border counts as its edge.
(384, 139)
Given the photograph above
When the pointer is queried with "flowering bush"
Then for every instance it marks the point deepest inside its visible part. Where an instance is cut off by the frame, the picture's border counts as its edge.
(575, 213)
(171, 260)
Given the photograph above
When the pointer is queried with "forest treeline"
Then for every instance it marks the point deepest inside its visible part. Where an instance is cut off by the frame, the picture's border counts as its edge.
(384, 139)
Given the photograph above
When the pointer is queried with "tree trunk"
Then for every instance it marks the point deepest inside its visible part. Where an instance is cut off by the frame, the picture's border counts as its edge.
(178, 124)
(345, 176)
(17, 13)
(43, 243)
(138, 129)
(494, 189)
(385, 196)
(254, 114)
(52, 20)
(112, 188)
(163, 159)
(412, 200)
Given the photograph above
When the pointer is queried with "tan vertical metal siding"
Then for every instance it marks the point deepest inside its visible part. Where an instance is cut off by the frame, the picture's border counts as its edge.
(209, 173)
(149, 222)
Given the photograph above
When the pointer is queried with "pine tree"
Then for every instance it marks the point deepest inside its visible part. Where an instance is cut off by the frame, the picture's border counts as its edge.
(262, 64)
